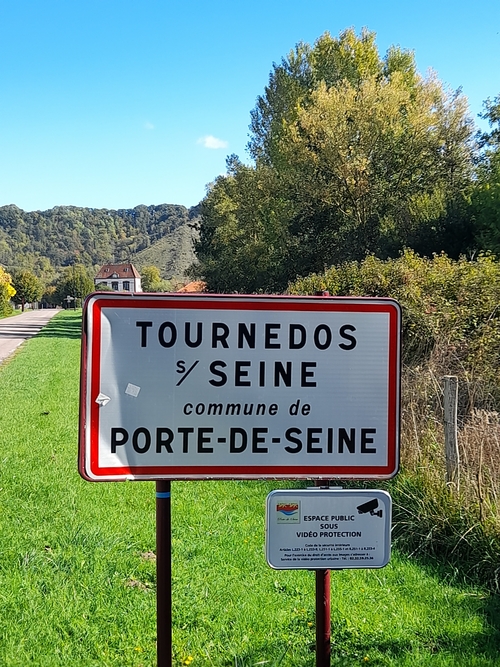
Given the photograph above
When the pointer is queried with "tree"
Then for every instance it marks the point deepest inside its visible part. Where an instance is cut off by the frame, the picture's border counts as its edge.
(75, 282)
(151, 280)
(353, 154)
(485, 201)
(244, 233)
(330, 61)
(28, 288)
(374, 167)
(7, 291)
(48, 296)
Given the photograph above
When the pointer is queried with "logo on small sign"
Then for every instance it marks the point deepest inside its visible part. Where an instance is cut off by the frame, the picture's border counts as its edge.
(288, 512)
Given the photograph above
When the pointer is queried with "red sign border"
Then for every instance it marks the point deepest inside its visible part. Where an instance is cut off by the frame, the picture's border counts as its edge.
(99, 300)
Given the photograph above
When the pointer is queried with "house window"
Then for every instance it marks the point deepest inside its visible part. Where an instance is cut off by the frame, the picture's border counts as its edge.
(126, 285)
(114, 285)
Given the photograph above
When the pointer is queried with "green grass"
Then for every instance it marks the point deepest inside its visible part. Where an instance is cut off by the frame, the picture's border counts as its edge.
(77, 580)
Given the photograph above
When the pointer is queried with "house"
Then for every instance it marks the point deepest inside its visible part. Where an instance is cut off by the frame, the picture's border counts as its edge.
(119, 277)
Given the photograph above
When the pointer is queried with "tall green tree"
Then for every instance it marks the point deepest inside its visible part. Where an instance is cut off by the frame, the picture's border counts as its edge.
(291, 83)
(244, 237)
(28, 288)
(485, 202)
(76, 283)
(353, 154)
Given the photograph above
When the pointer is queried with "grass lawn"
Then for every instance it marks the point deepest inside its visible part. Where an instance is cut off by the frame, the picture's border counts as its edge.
(77, 570)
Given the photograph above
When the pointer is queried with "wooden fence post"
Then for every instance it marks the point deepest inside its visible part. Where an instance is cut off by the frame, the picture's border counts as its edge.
(450, 404)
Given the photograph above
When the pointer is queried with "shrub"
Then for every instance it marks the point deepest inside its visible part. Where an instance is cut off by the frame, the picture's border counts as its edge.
(447, 304)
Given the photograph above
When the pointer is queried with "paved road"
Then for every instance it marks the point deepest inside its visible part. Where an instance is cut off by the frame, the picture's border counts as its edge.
(18, 328)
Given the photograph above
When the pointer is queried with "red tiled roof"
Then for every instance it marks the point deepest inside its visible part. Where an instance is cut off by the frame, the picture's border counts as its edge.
(121, 271)
(195, 286)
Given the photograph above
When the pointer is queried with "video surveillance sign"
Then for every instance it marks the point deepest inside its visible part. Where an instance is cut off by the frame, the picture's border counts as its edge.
(328, 529)
(182, 386)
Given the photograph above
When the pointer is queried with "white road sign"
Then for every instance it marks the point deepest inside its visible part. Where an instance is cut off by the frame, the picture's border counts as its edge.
(239, 387)
(328, 529)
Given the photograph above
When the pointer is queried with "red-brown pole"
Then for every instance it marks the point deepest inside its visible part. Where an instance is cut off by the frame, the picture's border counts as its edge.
(323, 612)
(163, 575)
(323, 646)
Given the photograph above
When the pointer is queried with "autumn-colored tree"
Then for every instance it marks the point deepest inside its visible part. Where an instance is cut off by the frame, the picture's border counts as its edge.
(7, 291)
(353, 154)
(151, 281)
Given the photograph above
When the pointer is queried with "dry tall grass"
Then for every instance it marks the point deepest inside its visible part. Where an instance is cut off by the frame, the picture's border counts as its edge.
(461, 525)
(422, 442)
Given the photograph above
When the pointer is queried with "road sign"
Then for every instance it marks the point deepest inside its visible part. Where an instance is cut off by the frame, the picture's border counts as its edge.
(309, 529)
(179, 386)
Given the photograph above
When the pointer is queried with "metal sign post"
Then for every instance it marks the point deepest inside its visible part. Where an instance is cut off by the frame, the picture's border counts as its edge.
(323, 616)
(323, 612)
(163, 575)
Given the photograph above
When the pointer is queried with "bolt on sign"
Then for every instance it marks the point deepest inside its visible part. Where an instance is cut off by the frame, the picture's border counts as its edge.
(239, 387)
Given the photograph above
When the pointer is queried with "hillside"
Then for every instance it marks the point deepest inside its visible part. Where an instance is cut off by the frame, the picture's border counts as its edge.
(160, 235)
(173, 254)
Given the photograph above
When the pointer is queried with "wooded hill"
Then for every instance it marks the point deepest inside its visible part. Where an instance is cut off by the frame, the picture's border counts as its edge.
(39, 240)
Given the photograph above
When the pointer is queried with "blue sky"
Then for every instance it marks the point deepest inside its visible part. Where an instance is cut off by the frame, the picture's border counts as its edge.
(114, 103)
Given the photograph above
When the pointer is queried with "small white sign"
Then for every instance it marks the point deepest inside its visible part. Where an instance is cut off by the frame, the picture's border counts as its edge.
(328, 529)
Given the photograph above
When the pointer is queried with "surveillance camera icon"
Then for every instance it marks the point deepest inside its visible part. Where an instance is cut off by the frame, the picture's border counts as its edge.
(370, 507)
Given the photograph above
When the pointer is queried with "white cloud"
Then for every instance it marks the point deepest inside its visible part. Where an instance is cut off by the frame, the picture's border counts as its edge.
(212, 142)
(149, 126)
